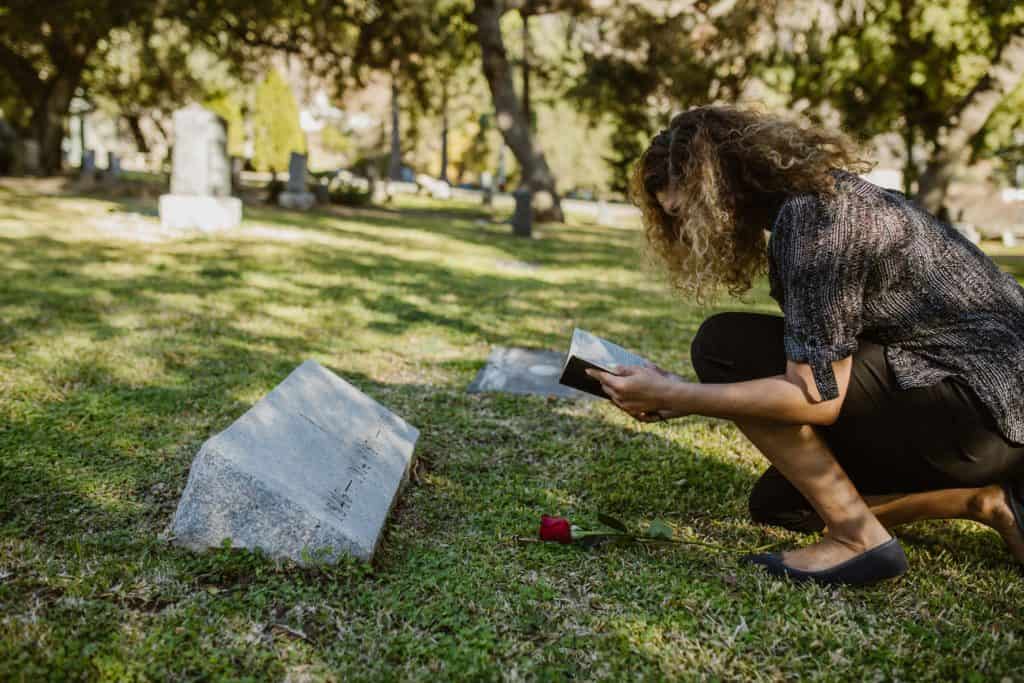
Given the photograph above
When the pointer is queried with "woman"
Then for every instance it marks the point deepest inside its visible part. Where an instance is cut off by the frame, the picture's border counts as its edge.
(892, 388)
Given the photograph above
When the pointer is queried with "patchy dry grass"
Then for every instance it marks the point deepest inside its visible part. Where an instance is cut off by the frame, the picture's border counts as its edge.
(118, 357)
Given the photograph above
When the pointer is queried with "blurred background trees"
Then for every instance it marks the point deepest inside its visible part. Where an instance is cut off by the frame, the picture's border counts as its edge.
(561, 95)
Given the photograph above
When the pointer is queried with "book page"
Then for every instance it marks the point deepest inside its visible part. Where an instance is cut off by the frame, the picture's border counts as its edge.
(601, 352)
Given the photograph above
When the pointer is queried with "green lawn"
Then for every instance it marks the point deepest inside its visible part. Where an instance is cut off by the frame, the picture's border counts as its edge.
(118, 357)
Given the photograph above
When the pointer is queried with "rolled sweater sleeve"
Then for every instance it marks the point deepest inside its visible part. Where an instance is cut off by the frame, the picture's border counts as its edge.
(818, 273)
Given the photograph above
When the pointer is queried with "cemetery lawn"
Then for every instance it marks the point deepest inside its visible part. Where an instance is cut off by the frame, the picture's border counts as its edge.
(122, 351)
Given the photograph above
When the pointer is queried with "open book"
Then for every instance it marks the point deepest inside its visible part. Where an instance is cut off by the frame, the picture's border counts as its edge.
(590, 351)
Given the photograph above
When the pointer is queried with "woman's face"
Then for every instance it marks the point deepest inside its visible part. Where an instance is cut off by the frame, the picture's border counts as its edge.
(668, 202)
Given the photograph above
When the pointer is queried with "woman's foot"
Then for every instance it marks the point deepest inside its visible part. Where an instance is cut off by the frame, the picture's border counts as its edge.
(990, 507)
(832, 551)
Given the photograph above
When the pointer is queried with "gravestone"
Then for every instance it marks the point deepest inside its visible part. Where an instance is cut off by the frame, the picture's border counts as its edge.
(26, 158)
(200, 194)
(311, 470)
(113, 172)
(604, 214)
(522, 218)
(237, 164)
(379, 193)
(88, 163)
(296, 196)
(524, 371)
(487, 183)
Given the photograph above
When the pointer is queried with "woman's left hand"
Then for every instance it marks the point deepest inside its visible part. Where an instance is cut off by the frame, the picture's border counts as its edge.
(643, 392)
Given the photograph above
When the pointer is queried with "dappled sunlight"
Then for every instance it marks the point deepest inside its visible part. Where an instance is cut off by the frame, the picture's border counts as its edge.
(118, 359)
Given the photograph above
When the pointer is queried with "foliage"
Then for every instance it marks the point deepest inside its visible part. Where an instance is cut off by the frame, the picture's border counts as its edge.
(44, 61)
(276, 128)
(335, 140)
(902, 66)
(227, 106)
(640, 62)
(119, 357)
(347, 194)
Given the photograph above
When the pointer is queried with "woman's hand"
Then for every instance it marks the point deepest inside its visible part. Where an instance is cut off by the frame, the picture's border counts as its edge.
(645, 392)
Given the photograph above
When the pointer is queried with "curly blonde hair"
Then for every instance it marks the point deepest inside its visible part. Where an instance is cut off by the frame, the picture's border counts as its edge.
(726, 172)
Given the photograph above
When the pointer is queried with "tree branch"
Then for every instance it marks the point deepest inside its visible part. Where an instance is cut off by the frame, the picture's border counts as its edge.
(21, 70)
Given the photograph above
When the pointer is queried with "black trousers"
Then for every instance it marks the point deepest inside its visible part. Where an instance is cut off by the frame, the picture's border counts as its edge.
(887, 440)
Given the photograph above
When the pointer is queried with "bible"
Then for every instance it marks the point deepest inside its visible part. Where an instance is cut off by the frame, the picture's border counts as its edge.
(590, 351)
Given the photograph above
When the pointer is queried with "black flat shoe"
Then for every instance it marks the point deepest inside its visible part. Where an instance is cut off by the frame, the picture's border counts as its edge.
(886, 561)
(1014, 491)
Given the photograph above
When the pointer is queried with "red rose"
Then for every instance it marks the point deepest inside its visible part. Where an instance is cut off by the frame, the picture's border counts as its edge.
(555, 529)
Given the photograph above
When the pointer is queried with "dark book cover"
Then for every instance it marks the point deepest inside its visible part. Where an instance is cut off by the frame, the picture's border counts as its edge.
(574, 375)
(587, 350)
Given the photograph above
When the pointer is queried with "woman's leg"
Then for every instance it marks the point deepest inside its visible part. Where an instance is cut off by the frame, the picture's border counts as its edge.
(803, 457)
(986, 505)
(733, 347)
(776, 502)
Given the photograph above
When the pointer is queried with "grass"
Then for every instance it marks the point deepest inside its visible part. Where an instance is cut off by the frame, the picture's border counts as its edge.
(118, 357)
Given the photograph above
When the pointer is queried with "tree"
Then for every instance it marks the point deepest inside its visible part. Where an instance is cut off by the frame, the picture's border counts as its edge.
(227, 106)
(148, 71)
(639, 62)
(513, 121)
(45, 50)
(935, 72)
(275, 124)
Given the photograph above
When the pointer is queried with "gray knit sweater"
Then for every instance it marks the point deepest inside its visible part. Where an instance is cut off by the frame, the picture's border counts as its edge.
(869, 263)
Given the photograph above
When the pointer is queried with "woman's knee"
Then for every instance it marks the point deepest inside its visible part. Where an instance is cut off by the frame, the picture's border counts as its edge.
(732, 347)
(710, 335)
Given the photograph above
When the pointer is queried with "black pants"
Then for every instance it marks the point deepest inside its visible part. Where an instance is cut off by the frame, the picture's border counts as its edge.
(887, 440)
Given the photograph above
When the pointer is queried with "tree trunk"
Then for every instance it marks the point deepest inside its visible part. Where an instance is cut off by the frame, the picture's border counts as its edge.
(953, 141)
(527, 112)
(512, 121)
(135, 126)
(444, 132)
(395, 164)
(50, 109)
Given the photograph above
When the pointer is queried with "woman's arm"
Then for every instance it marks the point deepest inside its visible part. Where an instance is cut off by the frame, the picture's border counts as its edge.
(792, 398)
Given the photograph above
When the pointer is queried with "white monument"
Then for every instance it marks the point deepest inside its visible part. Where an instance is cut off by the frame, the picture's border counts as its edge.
(201, 175)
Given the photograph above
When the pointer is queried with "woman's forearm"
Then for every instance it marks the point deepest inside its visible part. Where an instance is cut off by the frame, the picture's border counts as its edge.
(769, 398)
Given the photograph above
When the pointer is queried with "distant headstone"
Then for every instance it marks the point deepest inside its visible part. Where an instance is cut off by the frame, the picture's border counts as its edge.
(524, 371)
(311, 471)
(237, 164)
(26, 158)
(487, 182)
(113, 172)
(200, 194)
(296, 196)
(1009, 238)
(522, 218)
(378, 187)
(88, 162)
(604, 214)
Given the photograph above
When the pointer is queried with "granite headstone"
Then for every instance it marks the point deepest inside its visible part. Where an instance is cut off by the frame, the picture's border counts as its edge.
(200, 194)
(524, 371)
(88, 162)
(297, 196)
(311, 471)
(27, 158)
(113, 172)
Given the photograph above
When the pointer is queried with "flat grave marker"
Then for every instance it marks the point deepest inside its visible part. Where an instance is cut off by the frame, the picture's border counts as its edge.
(524, 371)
